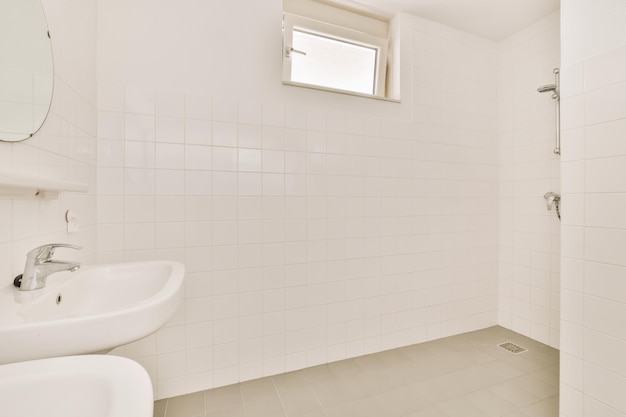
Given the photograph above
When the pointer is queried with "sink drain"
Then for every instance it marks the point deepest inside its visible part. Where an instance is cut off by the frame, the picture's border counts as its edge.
(59, 298)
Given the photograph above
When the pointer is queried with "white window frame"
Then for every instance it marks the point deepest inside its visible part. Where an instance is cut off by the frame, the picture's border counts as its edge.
(316, 27)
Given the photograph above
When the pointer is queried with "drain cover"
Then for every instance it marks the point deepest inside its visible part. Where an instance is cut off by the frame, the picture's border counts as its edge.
(512, 347)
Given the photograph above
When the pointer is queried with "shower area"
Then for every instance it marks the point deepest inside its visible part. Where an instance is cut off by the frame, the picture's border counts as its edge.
(529, 225)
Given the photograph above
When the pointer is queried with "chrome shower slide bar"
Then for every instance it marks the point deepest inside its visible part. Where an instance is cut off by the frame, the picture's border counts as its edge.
(556, 95)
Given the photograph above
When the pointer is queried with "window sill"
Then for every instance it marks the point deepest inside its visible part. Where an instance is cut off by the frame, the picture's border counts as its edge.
(336, 90)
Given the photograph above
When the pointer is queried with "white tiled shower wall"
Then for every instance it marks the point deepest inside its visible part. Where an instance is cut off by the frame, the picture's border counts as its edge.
(529, 255)
(64, 148)
(593, 336)
(313, 226)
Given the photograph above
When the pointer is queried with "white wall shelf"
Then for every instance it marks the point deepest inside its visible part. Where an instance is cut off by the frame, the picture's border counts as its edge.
(17, 185)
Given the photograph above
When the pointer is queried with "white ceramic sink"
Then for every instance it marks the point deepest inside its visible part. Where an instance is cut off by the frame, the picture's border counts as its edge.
(93, 309)
(76, 386)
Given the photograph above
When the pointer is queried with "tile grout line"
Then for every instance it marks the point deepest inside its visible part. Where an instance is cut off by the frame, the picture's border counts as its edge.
(243, 403)
(280, 398)
(319, 402)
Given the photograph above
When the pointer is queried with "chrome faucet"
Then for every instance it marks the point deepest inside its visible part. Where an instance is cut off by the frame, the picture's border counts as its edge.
(39, 265)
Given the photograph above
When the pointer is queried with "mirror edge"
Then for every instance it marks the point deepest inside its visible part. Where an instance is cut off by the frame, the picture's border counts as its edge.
(18, 137)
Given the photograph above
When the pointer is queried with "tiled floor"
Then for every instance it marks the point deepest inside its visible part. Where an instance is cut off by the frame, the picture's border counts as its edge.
(461, 376)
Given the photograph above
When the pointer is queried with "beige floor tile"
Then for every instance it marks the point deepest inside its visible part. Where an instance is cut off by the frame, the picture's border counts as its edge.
(549, 375)
(265, 407)
(413, 352)
(190, 405)
(300, 403)
(522, 362)
(394, 358)
(319, 413)
(257, 389)
(535, 386)
(349, 409)
(443, 359)
(460, 383)
(227, 412)
(432, 411)
(487, 374)
(159, 408)
(291, 381)
(514, 394)
(363, 408)
(477, 355)
(518, 413)
(386, 404)
(228, 397)
(372, 385)
(320, 374)
(394, 378)
(346, 369)
(425, 371)
(491, 403)
(460, 376)
(349, 372)
(411, 398)
(435, 392)
(543, 355)
(335, 393)
(545, 408)
(498, 371)
(460, 407)
(371, 364)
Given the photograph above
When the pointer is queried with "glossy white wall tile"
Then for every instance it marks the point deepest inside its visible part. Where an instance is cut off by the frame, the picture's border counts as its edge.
(313, 226)
(64, 148)
(529, 251)
(593, 306)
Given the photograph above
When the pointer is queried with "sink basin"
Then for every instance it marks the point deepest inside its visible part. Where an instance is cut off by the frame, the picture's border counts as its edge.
(76, 386)
(94, 309)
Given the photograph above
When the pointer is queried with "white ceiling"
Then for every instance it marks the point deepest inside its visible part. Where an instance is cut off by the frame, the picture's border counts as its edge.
(492, 19)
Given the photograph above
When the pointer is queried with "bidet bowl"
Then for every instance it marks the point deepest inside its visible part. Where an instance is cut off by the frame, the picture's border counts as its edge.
(91, 310)
(76, 386)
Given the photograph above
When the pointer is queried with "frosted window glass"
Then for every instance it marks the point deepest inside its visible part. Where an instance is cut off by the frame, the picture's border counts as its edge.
(333, 63)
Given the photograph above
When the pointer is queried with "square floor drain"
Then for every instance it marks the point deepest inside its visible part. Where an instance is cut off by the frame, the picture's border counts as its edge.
(512, 347)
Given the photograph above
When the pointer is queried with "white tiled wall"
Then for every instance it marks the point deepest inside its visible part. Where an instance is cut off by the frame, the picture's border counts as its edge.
(529, 253)
(317, 226)
(593, 378)
(64, 148)
(314, 226)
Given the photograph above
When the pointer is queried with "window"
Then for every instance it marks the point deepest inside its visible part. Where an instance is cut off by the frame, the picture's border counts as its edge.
(334, 63)
(326, 55)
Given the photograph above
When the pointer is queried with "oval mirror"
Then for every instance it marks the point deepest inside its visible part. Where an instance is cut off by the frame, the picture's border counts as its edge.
(26, 69)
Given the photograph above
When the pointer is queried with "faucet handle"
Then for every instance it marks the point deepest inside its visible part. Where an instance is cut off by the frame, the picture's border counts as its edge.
(45, 252)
